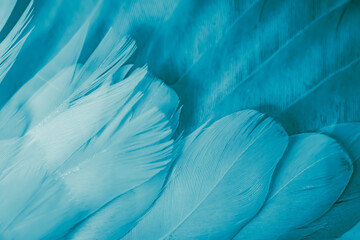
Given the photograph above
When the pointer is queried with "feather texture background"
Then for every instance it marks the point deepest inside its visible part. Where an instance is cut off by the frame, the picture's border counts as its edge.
(179, 119)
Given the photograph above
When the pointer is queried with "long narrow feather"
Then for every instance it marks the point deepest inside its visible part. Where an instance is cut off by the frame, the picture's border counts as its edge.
(136, 18)
(54, 23)
(193, 29)
(312, 58)
(13, 42)
(17, 114)
(337, 100)
(309, 179)
(254, 47)
(39, 97)
(219, 182)
(5, 11)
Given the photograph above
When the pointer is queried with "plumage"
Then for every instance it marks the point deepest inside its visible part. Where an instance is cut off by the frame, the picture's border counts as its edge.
(116, 218)
(16, 111)
(343, 215)
(65, 77)
(296, 73)
(214, 189)
(308, 180)
(231, 75)
(5, 11)
(95, 145)
(193, 29)
(13, 42)
(89, 131)
(336, 98)
(53, 25)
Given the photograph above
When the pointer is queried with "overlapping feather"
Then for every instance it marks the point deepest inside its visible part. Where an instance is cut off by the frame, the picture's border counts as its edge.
(88, 140)
(309, 179)
(62, 154)
(343, 215)
(10, 46)
(214, 189)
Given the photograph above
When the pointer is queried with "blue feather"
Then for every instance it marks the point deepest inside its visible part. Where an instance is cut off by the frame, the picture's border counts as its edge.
(245, 69)
(92, 138)
(95, 146)
(309, 179)
(118, 216)
(10, 46)
(343, 215)
(191, 31)
(219, 182)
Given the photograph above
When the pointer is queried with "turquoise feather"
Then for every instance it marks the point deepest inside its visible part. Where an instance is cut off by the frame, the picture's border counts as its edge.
(78, 143)
(307, 182)
(343, 215)
(95, 145)
(214, 189)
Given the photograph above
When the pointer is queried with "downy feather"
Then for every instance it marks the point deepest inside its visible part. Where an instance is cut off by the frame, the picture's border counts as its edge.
(309, 179)
(219, 182)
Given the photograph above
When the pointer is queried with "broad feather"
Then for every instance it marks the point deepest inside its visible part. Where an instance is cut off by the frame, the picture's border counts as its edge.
(309, 179)
(344, 214)
(219, 182)
(179, 119)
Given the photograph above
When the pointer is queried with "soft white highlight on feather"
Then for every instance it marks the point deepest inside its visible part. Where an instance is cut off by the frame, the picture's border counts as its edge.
(85, 136)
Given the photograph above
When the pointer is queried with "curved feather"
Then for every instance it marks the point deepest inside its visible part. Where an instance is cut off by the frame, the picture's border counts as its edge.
(17, 114)
(61, 78)
(50, 143)
(117, 217)
(138, 19)
(343, 215)
(308, 180)
(87, 155)
(5, 11)
(352, 234)
(219, 182)
(13, 42)
(54, 23)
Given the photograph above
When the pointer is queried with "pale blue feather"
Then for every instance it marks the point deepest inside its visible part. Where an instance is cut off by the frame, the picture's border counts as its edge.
(308, 180)
(219, 182)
